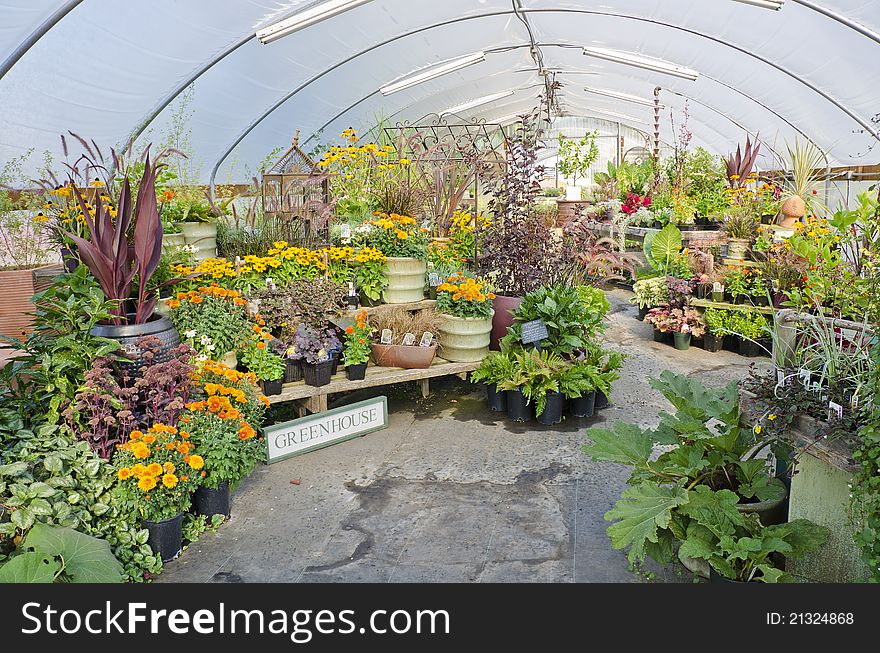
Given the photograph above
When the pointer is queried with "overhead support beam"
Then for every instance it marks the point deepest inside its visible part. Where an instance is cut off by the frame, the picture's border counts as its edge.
(840, 18)
(36, 35)
(866, 125)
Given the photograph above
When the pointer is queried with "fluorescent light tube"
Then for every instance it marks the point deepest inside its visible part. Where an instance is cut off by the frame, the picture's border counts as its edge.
(307, 17)
(776, 5)
(645, 63)
(617, 95)
(476, 103)
(621, 116)
(432, 72)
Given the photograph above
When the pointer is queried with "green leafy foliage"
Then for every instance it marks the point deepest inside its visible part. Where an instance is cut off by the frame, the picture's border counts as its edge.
(494, 368)
(661, 249)
(61, 553)
(640, 512)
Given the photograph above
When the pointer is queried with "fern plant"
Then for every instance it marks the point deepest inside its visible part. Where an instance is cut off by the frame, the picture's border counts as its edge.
(542, 376)
(578, 378)
(495, 368)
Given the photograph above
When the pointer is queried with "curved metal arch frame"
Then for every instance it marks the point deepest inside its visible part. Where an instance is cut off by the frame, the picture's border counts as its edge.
(215, 168)
(57, 16)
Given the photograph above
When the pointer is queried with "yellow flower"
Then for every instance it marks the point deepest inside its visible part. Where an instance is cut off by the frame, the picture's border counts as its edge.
(771, 417)
(123, 473)
(154, 469)
(169, 480)
(758, 429)
(196, 462)
(147, 483)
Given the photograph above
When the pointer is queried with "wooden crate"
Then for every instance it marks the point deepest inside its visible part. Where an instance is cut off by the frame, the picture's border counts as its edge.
(16, 288)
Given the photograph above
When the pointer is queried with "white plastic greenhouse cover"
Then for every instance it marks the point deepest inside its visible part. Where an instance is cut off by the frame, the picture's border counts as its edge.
(108, 69)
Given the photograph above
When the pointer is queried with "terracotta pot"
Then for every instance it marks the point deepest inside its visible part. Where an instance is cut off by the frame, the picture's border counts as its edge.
(406, 280)
(794, 207)
(18, 288)
(464, 340)
(504, 306)
(410, 357)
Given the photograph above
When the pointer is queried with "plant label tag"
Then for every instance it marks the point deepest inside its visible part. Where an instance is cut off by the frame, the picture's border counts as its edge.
(345, 231)
(854, 403)
(780, 378)
(717, 287)
(433, 279)
(804, 376)
(534, 331)
(409, 339)
(387, 337)
(835, 410)
(427, 339)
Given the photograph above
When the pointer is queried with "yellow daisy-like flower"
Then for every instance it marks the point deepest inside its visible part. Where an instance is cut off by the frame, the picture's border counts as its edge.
(758, 429)
(123, 473)
(154, 469)
(147, 483)
(196, 462)
(169, 480)
(771, 417)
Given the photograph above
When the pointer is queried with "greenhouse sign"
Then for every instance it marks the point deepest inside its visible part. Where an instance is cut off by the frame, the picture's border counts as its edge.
(306, 434)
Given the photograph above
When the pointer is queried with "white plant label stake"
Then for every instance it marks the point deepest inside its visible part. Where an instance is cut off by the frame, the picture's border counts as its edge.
(835, 410)
(387, 337)
(409, 339)
(427, 339)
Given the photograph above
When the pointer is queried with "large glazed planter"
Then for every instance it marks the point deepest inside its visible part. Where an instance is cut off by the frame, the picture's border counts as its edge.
(18, 288)
(129, 334)
(504, 307)
(202, 236)
(406, 280)
(173, 241)
(464, 339)
(410, 357)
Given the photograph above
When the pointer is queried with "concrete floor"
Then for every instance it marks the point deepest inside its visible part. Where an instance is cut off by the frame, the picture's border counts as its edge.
(450, 492)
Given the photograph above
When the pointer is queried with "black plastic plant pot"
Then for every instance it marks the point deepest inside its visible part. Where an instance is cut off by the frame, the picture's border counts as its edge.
(718, 296)
(318, 374)
(356, 372)
(271, 387)
(766, 346)
(292, 370)
(517, 408)
(334, 364)
(553, 410)
(353, 300)
(583, 406)
(497, 399)
(210, 502)
(701, 291)
(731, 343)
(662, 336)
(601, 400)
(432, 292)
(713, 343)
(749, 349)
(166, 536)
(643, 311)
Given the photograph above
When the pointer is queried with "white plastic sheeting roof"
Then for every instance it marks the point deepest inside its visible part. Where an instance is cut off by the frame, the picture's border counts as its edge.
(108, 69)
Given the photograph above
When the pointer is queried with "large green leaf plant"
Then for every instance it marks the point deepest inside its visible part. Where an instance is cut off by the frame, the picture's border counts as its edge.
(708, 464)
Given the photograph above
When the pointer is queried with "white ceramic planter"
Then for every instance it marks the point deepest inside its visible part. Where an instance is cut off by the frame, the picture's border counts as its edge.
(464, 339)
(737, 248)
(173, 241)
(202, 236)
(573, 193)
(406, 280)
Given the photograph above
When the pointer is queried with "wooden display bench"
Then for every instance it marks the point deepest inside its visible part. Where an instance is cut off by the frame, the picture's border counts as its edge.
(708, 303)
(313, 399)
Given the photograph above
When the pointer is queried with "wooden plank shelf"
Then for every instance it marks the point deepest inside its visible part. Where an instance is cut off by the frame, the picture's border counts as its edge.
(411, 306)
(314, 399)
(708, 303)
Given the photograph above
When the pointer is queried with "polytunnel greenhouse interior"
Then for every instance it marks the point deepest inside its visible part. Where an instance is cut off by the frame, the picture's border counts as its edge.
(411, 292)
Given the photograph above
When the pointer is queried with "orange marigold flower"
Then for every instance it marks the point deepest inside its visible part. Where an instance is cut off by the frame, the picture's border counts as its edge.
(349, 330)
(136, 435)
(123, 473)
(261, 345)
(154, 469)
(149, 438)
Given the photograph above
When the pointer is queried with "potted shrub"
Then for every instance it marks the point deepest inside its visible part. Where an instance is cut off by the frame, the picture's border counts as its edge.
(158, 472)
(750, 326)
(227, 442)
(609, 364)
(269, 368)
(370, 275)
(575, 159)
(710, 468)
(400, 322)
(578, 382)
(541, 384)
(26, 272)
(688, 323)
(740, 225)
(494, 369)
(115, 263)
(649, 293)
(316, 347)
(357, 347)
(404, 245)
(512, 386)
(661, 319)
(716, 328)
(465, 307)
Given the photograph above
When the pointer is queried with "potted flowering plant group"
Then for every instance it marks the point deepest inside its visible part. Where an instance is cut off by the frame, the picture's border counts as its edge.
(158, 472)
(357, 347)
(465, 307)
(227, 441)
(370, 275)
(212, 319)
(315, 348)
(266, 365)
(405, 246)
